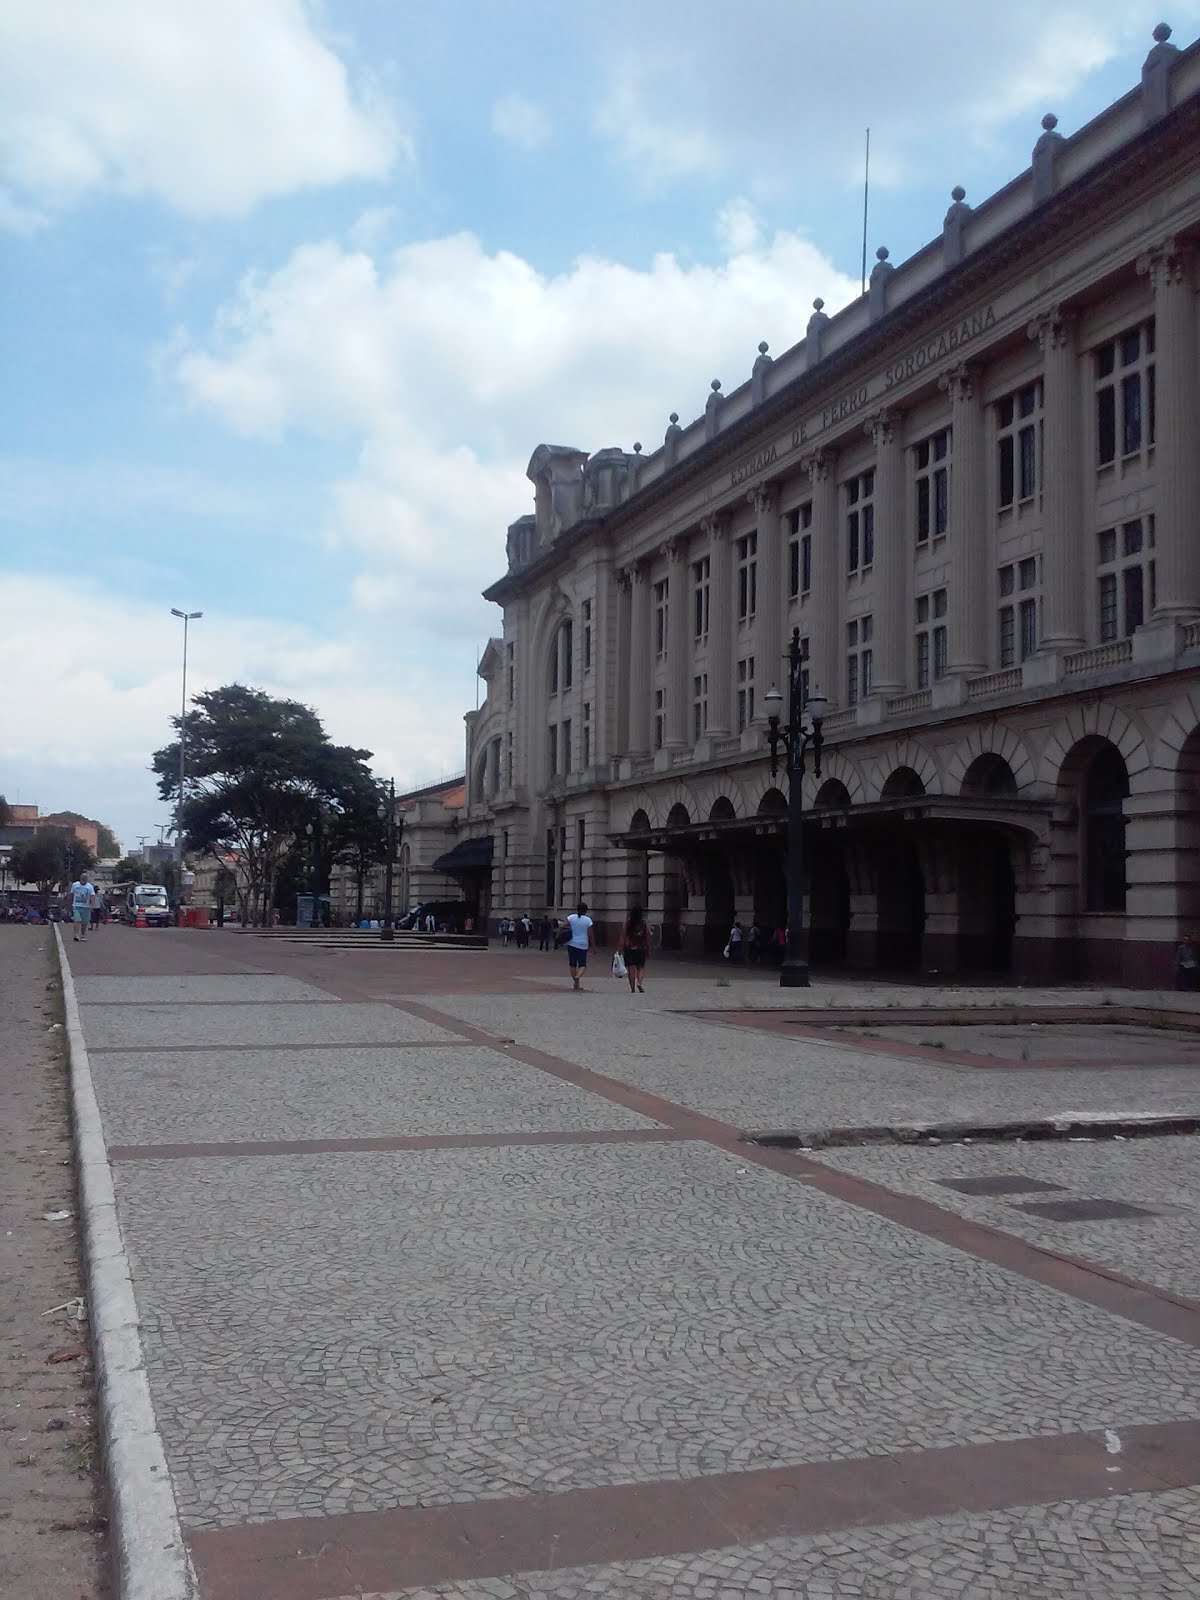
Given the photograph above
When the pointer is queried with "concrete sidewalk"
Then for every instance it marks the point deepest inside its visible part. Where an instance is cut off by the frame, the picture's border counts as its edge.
(452, 1282)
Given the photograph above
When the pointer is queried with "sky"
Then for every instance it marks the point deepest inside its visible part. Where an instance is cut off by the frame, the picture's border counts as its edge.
(290, 291)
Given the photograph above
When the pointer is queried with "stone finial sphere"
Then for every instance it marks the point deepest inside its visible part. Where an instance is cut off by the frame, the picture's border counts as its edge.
(637, 447)
(818, 304)
(715, 385)
(674, 416)
(958, 193)
(1049, 122)
(1163, 32)
(763, 347)
(882, 252)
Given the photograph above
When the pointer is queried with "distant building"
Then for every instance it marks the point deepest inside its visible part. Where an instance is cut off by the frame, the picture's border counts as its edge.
(429, 822)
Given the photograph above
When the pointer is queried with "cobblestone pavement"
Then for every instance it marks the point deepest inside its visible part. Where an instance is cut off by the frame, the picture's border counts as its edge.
(592, 1344)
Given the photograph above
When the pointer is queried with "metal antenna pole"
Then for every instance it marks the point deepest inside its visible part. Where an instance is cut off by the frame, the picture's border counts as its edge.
(866, 194)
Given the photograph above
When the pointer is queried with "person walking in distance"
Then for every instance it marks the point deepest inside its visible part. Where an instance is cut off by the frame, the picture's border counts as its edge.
(580, 942)
(98, 910)
(82, 895)
(635, 947)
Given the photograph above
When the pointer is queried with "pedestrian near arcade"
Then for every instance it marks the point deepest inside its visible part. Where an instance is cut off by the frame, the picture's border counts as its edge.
(734, 948)
(1187, 964)
(82, 895)
(580, 942)
(544, 932)
(635, 947)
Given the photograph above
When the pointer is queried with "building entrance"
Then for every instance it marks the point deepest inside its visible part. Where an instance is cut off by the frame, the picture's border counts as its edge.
(901, 907)
(829, 914)
(718, 903)
(987, 904)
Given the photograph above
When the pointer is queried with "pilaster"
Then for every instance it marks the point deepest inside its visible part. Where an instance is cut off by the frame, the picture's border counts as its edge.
(892, 560)
(969, 586)
(1062, 493)
(720, 626)
(768, 622)
(639, 661)
(679, 645)
(827, 627)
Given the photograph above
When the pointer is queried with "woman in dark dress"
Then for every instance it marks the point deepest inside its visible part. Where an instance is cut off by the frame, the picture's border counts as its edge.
(635, 947)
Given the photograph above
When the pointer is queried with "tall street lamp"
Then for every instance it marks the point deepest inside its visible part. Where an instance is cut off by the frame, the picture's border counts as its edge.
(394, 828)
(314, 836)
(185, 617)
(795, 738)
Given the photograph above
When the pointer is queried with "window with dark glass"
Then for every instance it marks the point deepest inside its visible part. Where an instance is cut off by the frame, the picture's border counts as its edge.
(1105, 788)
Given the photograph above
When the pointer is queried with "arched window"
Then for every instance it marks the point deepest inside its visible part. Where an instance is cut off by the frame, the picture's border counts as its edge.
(833, 792)
(988, 775)
(1105, 787)
(903, 781)
(722, 810)
(560, 669)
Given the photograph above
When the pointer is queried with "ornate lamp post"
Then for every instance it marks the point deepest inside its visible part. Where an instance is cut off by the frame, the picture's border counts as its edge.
(795, 738)
(388, 812)
(314, 833)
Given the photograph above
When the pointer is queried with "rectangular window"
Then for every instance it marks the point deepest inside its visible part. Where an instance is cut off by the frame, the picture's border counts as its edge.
(567, 651)
(551, 872)
(508, 760)
(562, 866)
(932, 477)
(552, 752)
(1019, 445)
(745, 693)
(565, 746)
(660, 617)
(587, 636)
(701, 572)
(860, 522)
(799, 550)
(586, 753)
(580, 837)
(1125, 401)
(700, 705)
(747, 576)
(1018, 632)
(1125, 596)
(859, 659)
(931, 642)
(660, 718)
(511, 671)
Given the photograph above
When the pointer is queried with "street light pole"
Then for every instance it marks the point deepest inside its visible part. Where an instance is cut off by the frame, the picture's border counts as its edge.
(795, 738)
(388, 931)
(186, 616)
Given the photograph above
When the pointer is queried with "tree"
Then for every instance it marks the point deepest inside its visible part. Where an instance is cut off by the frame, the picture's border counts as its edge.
(106, 839)
(259, 769)
(358, 837)
(5, 813)
(130, 869)
(52, 859)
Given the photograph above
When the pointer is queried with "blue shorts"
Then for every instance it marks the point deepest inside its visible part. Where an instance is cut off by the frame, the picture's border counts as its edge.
(81, 913)
(576, 957)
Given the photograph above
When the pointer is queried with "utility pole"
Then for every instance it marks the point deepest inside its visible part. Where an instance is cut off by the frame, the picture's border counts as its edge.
(186, 617)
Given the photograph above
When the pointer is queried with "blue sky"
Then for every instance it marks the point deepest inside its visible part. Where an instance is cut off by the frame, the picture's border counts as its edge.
(291, 291)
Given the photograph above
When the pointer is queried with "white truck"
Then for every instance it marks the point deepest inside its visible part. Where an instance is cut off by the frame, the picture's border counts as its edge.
(150, 899)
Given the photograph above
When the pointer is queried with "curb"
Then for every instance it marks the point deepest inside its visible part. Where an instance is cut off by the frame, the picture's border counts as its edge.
(1075, 1125)
(151, 1559)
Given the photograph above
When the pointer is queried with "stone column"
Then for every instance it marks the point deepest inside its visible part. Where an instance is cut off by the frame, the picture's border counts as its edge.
(639, 661)
(969, 542)
(827, 608)
(768, 621)
(679, 646)
(1062, 489)
(720, 626)
(1177, 430)
(615, 700)
(893, 559)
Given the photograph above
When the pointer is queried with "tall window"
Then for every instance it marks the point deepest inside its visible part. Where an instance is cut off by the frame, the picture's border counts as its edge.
(660, 617)
(932, 463)
(800, 550)
(510, 671)
(562, 666)
(660, 718)
(1019, 445)
(700, 705)
(701, 574)
(747, 576)
(1126, 576)
(552, 752)
(1105, 787)
(745, 693)
(860, 522)
(562, 866)
(804, 672)
(551, 872)
(565, 746)
(1019, 595)
(508, 760)
(587, 636)
(586, 753)
(1125, 397)
(860, 662)
(580, 838)
(931, 651)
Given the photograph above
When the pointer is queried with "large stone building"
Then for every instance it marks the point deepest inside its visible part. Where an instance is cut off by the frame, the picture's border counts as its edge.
(976, 493)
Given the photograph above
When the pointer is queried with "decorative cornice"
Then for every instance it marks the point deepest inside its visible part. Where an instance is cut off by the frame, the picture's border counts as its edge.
(1054, 328)
(882, 426)
(961, 382)
(1167, 264)
(820, 464)
(764, 498)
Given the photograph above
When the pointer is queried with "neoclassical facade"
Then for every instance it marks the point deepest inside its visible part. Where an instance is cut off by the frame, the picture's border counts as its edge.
(976, 493)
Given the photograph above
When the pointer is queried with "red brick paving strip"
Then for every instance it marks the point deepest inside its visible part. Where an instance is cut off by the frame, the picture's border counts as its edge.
(416, 1141)
(319, 1558)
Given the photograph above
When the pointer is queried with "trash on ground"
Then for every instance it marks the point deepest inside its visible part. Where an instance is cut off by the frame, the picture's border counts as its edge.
(56, 1216)
(72, 1352)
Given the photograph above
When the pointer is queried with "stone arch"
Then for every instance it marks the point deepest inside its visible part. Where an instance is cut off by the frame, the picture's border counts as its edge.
(754, 786)
(837, 766)
(1180, 722)
(989, 774)
(832, 793)
(773, 803)
(639, 822)
(722, 809)
(1095, 720)
(637, 802)
(991, 739)
(907, 753)
(902, 781)
(677, 795)
(678, 816)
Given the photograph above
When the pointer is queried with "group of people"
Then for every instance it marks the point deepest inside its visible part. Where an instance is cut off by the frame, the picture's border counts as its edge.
(576, 933)
(519, 931)
(755, 945)
(87, 906)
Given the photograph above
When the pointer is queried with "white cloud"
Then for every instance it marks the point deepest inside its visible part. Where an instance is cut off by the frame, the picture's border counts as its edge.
(104, 697)
(449, 365)
(519, 121)
(208, 108)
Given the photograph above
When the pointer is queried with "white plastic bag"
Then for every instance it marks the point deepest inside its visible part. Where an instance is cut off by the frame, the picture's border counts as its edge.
(618, 968)
(725, 952)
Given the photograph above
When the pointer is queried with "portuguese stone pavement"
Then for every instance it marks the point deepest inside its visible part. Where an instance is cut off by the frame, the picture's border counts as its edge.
(456, 1283)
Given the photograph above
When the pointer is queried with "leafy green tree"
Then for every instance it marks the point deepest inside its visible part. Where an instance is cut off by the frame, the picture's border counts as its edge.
(5, 812)
(52, 859)
(358, 837)
(106, 839)
(258, 770)
(130, 869)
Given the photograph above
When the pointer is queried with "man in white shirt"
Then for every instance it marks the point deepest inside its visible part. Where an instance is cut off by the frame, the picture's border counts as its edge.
(82, 895)
(580, 941)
